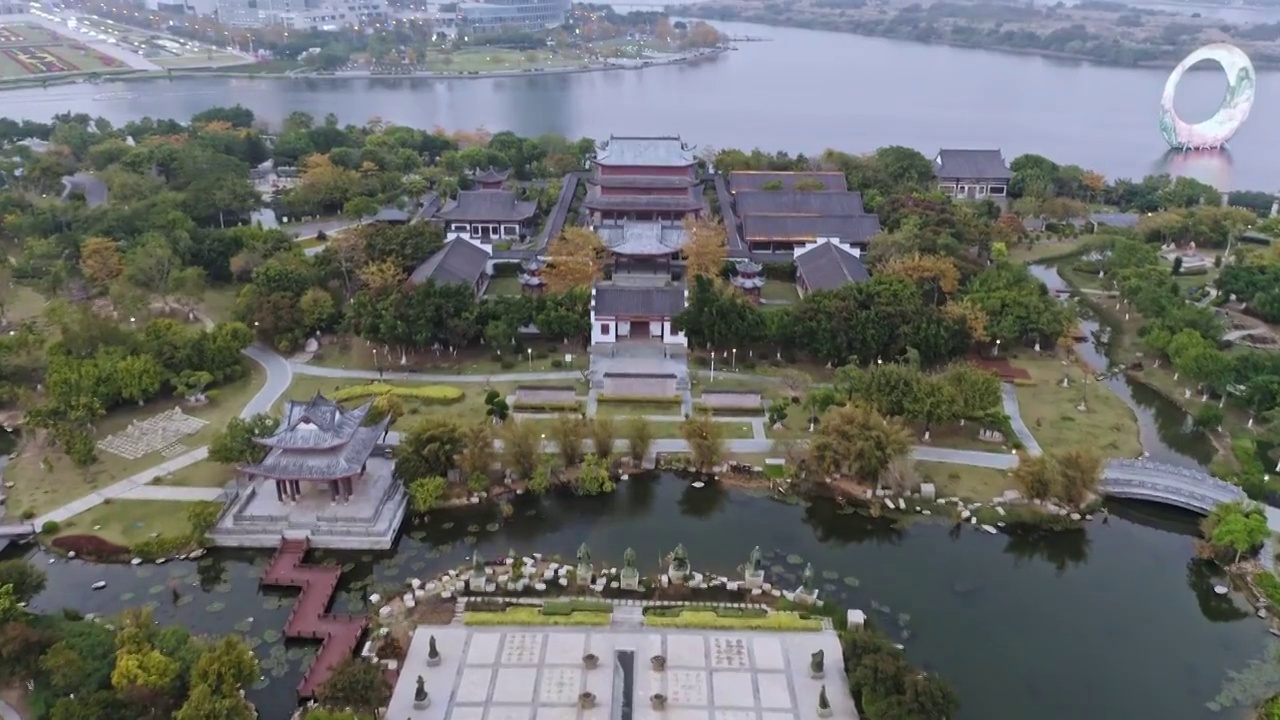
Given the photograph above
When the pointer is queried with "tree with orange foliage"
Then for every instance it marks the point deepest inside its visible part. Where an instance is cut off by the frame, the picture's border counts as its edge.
(973, 316)
(1009, 230)
(934, 271)
(574, 260)
(706, 249)
(1093, 182)
(101, 262)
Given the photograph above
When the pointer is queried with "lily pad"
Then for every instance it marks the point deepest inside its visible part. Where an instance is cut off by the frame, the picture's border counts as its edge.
(185, 599)
(366, 558)
(243, 626)
(261, 683)
(215, 606)
(492, 527)
(446, 525)
(156, 589)
(279, 671)
(470, 540)
(777, 569)
(271, 635)
(126, 597)
(795, 560)
(852, 581)
(831, 574)
(348, 567)
(144, 571)
(252, 642)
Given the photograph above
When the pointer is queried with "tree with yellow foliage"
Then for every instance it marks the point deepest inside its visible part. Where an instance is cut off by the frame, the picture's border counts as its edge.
(706, 249)
(933, 271)
(101, 262)
(381, 276)
(574, 260)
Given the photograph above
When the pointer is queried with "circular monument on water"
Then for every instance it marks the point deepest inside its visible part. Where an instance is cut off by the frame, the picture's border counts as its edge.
(1231, 114)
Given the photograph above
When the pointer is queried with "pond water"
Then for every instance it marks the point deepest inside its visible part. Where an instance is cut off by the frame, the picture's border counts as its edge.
(1115, 621)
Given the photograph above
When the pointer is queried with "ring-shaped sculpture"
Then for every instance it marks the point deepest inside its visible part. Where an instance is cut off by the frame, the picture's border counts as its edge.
(1217, 130)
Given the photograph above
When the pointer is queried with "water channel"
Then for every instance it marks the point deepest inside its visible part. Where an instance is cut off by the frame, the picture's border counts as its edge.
(1115, 621)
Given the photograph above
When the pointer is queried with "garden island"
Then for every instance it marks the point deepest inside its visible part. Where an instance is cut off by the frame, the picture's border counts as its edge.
(337, 364)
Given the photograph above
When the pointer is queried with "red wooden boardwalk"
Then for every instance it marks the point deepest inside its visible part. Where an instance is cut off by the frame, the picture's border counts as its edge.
(310, 619)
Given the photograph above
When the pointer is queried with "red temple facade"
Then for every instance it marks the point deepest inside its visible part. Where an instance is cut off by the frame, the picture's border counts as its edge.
(644, 178)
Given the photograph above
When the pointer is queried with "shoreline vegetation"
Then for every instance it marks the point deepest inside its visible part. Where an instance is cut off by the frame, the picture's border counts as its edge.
(1096, 31)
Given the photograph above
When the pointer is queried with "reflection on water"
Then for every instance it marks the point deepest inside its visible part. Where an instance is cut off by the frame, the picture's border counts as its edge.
(1209, 166)
(1114, 608)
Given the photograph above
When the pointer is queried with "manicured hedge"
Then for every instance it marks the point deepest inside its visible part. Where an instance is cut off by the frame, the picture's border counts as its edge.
(728, 412)
(431, 394)
(534, 616)
(674, 612)
(710, 620)
(568, 607)
(548, 407)
(640, 399)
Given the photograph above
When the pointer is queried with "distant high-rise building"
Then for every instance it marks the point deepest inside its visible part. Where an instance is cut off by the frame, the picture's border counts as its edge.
(498, 16)
(299, 14)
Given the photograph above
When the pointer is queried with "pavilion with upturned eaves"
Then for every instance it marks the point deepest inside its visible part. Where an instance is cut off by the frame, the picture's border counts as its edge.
(318, 442)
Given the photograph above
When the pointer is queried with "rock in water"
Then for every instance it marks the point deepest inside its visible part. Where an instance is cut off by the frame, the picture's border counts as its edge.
(699, 484)
(1220, 589)
(99, 585)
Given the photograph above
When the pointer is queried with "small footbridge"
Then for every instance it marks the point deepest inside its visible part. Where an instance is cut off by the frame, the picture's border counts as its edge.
(1169, 484)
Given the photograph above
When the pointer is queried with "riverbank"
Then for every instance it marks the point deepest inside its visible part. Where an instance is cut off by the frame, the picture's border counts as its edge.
(133, 75)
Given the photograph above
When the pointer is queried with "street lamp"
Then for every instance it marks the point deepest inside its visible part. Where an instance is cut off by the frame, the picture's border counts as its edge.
(529, 352)
(735, 359)
(997, 348)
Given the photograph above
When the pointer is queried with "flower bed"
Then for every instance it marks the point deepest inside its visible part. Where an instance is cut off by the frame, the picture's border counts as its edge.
(534, 616)
(431, 394)
(675, 611)
(711, 620)
(568, 607)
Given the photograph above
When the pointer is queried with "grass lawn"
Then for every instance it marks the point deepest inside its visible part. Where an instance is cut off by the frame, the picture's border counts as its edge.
(1108, 427)
(355, 353)
(779, 291)
(735, 430)
(1042, 249)
(205, 473)
(126, 522)
(214, 58)
(218, 302)
(23, 303)
(39, 490)
(958, 438)
(497, 59)
(629, 409)
(724, 382)
(503, 286)
(964, 481)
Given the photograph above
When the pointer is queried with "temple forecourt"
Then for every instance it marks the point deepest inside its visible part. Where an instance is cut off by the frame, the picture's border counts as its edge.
(537, 673)
(319, 481)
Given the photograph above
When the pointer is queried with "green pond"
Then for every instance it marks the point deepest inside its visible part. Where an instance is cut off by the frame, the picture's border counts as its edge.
(1116, 621)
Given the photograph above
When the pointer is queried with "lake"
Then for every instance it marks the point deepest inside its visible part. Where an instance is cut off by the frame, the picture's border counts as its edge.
(802, 91)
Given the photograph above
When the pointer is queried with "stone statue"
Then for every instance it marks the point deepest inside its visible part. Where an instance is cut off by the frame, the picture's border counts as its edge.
(817, 661)
(680, 559)
(420, 694)
(806, 580)
(584, 554)
(824, 705)
(629, 559)
(432, 650)
(629, 578)
(477, 563)
(754, 561)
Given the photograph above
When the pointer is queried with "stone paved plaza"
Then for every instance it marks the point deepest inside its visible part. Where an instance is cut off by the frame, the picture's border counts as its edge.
(535, 673)
(157, 432)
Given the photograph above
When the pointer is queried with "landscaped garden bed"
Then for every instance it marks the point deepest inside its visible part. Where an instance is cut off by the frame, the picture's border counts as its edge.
(729, 619)
(532, 615)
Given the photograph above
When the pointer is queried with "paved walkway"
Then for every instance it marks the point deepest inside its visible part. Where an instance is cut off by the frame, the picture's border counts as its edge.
(317, 371)
(122, 488)
(180, 494)
(1009, 398)
(7, 712)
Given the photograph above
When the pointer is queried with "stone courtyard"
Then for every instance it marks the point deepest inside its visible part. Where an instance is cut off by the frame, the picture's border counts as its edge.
(537, 673)
(158, 433)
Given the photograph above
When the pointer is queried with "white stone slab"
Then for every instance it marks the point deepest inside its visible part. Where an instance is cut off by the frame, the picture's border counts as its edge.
(560, 685)
(508, 712)
(734, 715)
(483, 649)
(522, 648)
(768, 653)
(466, 712)
(687, 687)
(555, 713)
(775, 692)
(687, 714)
(567, 649)
(473, 686)
(771, 715)
(732, 689)
(729, 652)
(686, 651)
(515, 685)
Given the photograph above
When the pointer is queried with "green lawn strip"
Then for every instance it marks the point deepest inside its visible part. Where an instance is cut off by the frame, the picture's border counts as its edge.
(503, 286)
(964, 481)
(205, 473)
(38, 490)
(1047, 249)
(355, 354)
(622, 409)
(710, 620)
(218, 302)
(533, 616)
(129, 522)
(734, 430)
(778, 290)
(1107, 427)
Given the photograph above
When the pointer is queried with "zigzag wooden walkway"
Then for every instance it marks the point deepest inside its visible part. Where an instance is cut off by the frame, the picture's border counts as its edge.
(310, 620)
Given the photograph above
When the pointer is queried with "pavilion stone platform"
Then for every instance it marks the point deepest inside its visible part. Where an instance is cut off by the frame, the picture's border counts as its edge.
(537, 673)
(368, 520)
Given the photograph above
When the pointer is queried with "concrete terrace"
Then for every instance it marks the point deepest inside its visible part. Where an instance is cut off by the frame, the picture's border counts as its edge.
(310, 619)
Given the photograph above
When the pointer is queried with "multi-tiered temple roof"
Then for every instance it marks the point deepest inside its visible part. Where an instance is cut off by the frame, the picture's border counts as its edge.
(319, 440)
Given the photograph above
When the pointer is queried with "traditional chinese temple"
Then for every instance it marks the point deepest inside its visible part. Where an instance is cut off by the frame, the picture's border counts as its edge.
(318, 443)
(530, 277)
(643, 178)
(748, 279)
(490, 179)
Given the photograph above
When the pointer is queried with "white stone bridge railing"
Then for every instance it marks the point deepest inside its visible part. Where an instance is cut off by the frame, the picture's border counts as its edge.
(1157, 482)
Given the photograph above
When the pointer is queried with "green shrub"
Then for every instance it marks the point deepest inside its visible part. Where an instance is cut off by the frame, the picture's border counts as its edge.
(675, 612)
(534, 616)
(160, 546)
(1269, 584)
(710, 620)
(568, 607)
(433, 394)
(557, 362)
(548, 407)
(50, 527)
(506, 363)
(652, 399)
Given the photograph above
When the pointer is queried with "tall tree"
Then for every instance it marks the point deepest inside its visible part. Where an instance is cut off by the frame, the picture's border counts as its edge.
(706, 441)
(859, 441)
(574, 260)
(101, 262)
(706, 247)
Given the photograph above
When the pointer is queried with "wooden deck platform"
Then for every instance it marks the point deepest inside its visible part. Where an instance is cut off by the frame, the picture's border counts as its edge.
(310, 620)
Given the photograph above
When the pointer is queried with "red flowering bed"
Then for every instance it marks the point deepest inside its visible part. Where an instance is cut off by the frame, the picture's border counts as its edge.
(90, 547)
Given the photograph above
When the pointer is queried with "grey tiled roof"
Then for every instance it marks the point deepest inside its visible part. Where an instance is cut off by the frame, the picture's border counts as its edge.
(93, 189)
(389, 214)
(782, 202)
(971, 164)
(634, 237)
(1121, 220)
(318, 440)
(645, 151)
(622, 301)
(747, 180)
(830, 266)
(459, 261)
(640, 181)
(595, 201)
(855, 229)
(493, 205)
(491, 175)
